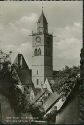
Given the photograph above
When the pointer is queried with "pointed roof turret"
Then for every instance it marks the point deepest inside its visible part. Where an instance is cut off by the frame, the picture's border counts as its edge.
(42, 25)
(42, 18)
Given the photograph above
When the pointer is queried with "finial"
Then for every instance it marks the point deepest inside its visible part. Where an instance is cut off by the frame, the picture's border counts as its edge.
(42, 6)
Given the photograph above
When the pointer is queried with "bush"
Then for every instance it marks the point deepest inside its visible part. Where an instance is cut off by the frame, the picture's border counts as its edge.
(66, 78)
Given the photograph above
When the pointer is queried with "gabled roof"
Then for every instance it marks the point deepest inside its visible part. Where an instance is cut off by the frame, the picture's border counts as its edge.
(20, 62)
(23, 70)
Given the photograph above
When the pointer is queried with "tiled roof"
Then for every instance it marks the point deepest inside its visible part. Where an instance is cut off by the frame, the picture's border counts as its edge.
(42, 18)
(20, 62)
(61, 100)
(38, 96)
(25, 77)
(53, 98)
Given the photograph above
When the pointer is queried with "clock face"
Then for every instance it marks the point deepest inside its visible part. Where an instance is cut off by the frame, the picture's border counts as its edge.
(38, 39)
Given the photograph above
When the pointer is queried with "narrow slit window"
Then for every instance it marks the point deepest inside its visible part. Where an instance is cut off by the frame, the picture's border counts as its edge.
(37, 71)
(37, 81)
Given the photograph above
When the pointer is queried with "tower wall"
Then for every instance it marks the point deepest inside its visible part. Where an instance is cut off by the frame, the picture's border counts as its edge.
(38, 61)
(42, 53)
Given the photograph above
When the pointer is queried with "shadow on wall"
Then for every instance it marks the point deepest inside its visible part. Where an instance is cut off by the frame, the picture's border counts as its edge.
(5, 109)
(70, 114)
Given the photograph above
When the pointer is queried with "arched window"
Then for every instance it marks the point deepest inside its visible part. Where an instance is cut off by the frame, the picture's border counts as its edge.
(39, 51)
(35, 52)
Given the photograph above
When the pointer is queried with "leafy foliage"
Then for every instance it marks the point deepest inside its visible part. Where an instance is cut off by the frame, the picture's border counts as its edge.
(9, 76)
(65, 79)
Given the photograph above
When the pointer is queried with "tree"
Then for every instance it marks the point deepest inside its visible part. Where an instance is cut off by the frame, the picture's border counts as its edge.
(9, 76)
(66, 79)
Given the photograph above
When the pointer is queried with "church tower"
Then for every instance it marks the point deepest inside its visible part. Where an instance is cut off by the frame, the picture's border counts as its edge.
(42, 53)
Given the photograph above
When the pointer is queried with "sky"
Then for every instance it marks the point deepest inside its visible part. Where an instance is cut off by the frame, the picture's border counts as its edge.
(18, 20)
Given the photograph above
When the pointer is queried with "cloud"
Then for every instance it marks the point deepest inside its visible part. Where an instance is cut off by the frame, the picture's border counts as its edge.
(16, 33)
(14, 36)
(15, 26)
(29, 19)
(26, 50)
(67, 45)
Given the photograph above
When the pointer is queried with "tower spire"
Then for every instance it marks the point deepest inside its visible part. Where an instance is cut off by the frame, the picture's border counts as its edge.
(42, 23)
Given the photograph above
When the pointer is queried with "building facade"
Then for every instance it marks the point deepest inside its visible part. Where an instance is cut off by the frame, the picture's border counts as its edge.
(42, 53)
